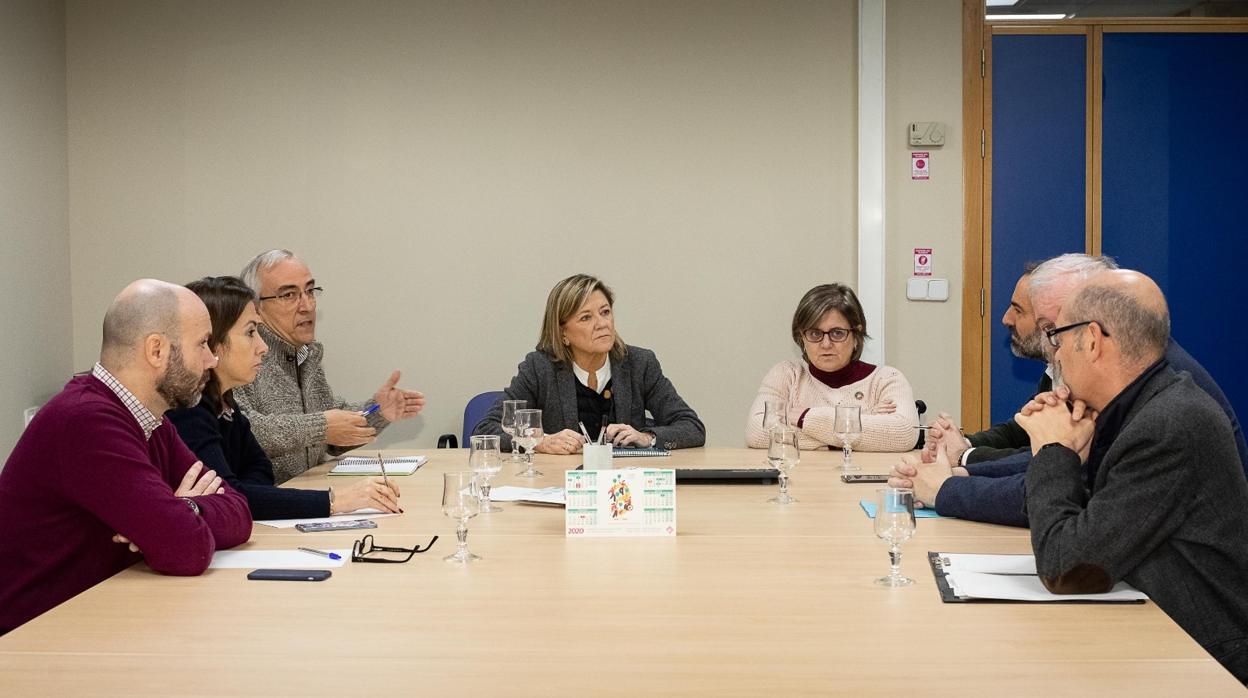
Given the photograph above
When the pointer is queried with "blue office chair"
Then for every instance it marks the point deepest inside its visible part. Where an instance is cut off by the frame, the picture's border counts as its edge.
(474, 411)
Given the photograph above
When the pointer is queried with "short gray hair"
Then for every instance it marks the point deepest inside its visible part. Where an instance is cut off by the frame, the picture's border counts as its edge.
(265, 260)
(1142, 333)
(1067, 270)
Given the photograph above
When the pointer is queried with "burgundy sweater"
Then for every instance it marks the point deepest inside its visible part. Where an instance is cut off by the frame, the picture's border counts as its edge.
(81, 472)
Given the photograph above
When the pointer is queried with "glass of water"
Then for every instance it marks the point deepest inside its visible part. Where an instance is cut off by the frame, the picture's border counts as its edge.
(460, 501)
(485, 459)
(775, 414)
(848, 427)
(783, 454)
(894, 524)
(509, 424)
(528, 434)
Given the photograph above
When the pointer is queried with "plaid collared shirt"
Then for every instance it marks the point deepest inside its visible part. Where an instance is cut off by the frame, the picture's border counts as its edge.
(147, 421)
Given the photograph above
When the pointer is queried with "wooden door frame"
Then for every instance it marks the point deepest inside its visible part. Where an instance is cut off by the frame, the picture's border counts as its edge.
(977, 310)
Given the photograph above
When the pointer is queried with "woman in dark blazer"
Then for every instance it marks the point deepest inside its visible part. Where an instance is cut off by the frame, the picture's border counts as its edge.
(220, 434)
(583, 372)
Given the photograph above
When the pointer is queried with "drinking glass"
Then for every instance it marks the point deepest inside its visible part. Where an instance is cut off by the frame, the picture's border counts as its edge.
(894, 523)
(460, 501)
(509, 424)
(783, 454)
(528, 434)
(485, 459)
(848, 427)
(775, 414)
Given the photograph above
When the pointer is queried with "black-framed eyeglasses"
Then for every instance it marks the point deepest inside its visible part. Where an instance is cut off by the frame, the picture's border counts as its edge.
(292, 296)
(361, 549)
(1056, 343)
(836, 334)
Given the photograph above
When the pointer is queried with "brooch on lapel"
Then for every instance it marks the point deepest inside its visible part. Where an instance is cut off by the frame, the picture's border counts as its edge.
(606, 394)
(858, 395)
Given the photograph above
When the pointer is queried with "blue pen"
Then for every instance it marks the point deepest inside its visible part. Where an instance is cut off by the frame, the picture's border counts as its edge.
(371, 410)
(322, 553)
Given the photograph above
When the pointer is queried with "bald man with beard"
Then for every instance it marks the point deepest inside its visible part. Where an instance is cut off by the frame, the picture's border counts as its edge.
(1134, 474)
(98, 481)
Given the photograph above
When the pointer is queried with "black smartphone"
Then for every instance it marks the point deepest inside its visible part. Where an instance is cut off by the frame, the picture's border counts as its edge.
(335, 525)
(863, 478)
(291, 575)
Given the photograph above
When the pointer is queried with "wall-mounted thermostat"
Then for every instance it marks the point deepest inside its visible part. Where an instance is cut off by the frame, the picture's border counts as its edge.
(927, 133)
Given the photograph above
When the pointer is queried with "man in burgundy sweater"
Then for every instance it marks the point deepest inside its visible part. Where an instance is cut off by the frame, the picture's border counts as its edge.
(98, 481)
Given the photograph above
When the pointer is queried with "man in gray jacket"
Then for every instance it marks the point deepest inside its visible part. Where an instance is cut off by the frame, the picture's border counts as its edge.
(295, 415)
(1138, 478)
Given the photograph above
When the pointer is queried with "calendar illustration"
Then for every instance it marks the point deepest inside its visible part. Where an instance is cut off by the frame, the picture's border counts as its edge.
(620, 503)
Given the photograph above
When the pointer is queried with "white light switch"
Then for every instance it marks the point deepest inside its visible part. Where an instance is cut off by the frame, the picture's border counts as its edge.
(922, 288)
(916, 289)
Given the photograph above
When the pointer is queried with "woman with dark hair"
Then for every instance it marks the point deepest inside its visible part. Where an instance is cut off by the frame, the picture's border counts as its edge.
(583, 372)
(829, 328)
(220, 434)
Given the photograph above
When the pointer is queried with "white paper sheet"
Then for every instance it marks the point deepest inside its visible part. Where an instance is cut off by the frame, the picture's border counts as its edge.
(511, 493)
(1022, 587)
(996, 564)
(275, 559)
(351, 516)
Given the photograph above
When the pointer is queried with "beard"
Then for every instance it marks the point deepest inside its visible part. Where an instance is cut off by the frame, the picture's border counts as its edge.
(179, 386)
(1029, 347)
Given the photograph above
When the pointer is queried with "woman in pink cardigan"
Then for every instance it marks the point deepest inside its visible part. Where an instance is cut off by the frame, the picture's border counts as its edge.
(829, 329)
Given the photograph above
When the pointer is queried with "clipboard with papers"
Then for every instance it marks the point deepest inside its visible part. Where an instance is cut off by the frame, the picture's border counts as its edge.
(972, 578)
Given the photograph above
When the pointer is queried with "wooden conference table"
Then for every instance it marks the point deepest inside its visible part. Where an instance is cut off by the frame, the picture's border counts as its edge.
(750, 598)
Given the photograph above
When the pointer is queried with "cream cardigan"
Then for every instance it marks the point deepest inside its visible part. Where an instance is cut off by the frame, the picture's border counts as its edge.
(792, 381)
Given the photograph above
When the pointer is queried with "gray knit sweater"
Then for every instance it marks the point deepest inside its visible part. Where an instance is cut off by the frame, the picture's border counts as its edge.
(285, 405)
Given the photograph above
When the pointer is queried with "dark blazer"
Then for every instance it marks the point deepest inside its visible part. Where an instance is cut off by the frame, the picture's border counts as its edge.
(1004, 439)
(229, 447)
(995, 491)
(1167, 513)
(637, 386)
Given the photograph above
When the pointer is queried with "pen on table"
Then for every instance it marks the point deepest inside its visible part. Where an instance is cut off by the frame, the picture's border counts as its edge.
(602, 433)
(370, 410)
(322, 553)
(585, 432)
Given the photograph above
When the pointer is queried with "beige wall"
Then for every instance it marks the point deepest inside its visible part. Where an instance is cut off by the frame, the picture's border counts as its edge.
(34, 230)
(442, 165)
(923, 82)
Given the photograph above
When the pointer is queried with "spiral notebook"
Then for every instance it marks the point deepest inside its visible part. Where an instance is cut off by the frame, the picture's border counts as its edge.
(646, 452)
(369, 465)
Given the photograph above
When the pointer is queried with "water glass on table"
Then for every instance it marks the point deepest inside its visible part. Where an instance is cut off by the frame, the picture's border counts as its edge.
(508, 422)
(486, 460)
(847, 426)
(894, 524)
(461, 501)
(783, 455)
(528, 435)
(775, 414)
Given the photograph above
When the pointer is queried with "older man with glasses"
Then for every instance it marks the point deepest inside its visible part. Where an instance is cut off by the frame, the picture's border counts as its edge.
(1134, 475)
(296, 417)
(979, 477)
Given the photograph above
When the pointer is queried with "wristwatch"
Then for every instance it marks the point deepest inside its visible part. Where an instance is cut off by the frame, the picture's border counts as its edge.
(191, 503)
